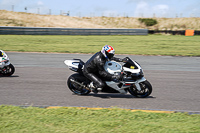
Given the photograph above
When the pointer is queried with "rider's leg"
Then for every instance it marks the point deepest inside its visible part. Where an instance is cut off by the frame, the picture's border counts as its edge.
(97, 82)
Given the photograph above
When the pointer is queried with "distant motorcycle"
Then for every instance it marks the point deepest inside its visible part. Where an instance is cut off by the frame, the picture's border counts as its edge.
(6, 68)
(132, 81)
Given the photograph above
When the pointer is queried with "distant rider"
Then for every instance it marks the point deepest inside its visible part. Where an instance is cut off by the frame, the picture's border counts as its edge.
(3, 58)
(1, 53)
(94, 68)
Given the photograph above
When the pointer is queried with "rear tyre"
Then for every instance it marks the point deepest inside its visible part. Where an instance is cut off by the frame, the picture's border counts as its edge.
(76, 88)
(146, 90)
(8, 70)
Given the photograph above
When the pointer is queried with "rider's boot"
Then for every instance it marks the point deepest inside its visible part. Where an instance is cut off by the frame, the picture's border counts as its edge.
(93, 89)
(99, 89)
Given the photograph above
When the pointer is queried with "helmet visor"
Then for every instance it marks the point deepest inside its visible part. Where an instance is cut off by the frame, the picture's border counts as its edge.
(110, 55)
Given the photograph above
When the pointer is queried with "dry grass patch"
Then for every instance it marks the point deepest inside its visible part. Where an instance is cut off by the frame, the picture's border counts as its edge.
(9, 18)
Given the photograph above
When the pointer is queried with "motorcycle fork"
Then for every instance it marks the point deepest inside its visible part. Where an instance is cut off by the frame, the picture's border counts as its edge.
(137, 85)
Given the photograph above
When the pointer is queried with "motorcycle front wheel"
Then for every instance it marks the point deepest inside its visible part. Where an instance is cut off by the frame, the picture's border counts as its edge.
(76, 88)
(146, 90)
(8, 70)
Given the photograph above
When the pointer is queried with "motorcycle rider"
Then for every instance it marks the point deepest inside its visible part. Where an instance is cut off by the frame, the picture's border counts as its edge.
(94, 68)
(3, 55)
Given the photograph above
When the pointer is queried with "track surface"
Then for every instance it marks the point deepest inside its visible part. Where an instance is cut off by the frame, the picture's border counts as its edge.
(40, 80)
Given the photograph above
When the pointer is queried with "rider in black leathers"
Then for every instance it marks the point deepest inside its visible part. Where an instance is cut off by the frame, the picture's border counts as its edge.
(94, 67)
(1, 53)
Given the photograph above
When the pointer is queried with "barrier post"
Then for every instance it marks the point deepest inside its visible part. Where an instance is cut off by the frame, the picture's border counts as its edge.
(189, 32)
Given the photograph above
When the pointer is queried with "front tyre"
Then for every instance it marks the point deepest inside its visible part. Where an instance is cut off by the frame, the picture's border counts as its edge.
(146, 90)
(76, 88)
(8, 70)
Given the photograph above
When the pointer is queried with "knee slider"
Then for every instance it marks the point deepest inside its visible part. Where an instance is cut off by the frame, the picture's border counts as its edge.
(101, 85)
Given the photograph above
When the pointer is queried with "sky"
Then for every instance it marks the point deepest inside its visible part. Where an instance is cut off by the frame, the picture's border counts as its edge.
(109, 8)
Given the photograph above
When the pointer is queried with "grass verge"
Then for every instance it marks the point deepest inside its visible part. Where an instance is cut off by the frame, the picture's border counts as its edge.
(75, 120)
(138, 45)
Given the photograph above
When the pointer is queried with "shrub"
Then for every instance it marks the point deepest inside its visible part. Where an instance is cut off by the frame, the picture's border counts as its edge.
(148, 21)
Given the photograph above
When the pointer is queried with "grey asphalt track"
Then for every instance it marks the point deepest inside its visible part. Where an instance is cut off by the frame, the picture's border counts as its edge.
(40, 80)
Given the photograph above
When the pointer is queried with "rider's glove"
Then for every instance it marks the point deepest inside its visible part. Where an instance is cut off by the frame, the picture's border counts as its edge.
(117, 78)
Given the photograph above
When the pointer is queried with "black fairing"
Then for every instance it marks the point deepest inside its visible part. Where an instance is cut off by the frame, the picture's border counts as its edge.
(130, 75)
(130, 63)
(108, 89)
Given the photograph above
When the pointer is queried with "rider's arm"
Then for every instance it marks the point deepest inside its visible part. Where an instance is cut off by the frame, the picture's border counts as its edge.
(116, 59)
(119, 59)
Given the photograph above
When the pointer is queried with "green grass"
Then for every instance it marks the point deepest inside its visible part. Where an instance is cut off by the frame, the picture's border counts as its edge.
(137, 45)
(74, 120)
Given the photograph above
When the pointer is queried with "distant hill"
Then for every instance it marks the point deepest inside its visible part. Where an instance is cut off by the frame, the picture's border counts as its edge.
(9, 18)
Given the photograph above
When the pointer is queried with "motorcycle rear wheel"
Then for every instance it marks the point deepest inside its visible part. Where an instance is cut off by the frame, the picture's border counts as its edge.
(74, 87)
(146, 90)
(9, 70)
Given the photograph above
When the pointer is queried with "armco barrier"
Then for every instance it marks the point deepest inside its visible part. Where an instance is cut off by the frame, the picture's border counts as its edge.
(178, 32)
(69, 31)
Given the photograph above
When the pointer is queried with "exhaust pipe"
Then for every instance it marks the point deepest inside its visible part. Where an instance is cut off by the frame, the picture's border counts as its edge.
(80, 84)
